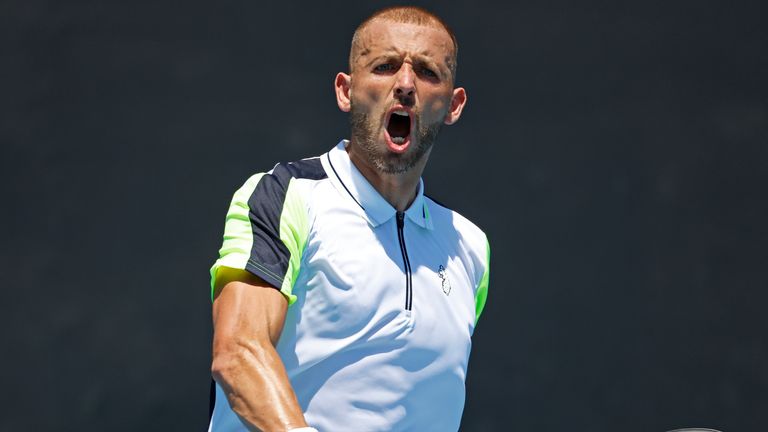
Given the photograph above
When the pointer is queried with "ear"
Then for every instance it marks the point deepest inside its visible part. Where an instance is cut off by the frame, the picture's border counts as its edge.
(458, 100)
(342, 85)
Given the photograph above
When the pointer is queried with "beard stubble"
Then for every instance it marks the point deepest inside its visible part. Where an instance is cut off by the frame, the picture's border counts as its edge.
(364, 134)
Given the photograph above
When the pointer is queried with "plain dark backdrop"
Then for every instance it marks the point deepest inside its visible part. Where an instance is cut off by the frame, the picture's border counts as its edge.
(615, 152)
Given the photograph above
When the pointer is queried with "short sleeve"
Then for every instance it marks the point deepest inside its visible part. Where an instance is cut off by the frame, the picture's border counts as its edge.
(265, 230)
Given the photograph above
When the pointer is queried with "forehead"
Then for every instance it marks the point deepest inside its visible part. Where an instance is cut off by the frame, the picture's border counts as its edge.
(383, 37)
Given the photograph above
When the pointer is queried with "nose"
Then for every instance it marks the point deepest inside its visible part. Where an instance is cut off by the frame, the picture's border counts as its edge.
(405, 81)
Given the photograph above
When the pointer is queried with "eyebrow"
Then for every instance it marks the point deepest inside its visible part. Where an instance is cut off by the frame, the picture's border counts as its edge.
(419, 59)
(389, 54)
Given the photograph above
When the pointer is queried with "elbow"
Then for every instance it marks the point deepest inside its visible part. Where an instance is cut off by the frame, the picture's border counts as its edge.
(223, 368)
(228, 363)
(232, 359)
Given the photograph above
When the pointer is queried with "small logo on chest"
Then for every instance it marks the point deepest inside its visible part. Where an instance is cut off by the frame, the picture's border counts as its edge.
(444, 280)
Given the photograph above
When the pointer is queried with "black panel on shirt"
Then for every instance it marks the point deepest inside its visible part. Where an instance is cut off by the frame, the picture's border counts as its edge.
(269, 256)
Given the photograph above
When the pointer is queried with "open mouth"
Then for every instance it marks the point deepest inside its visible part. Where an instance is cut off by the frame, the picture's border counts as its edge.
(399, 126)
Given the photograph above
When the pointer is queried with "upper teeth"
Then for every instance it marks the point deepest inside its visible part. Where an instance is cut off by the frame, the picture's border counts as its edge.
(401, 112)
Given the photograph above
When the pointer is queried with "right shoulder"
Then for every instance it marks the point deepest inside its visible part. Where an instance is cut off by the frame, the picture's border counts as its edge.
(275, 183)
(268, 224)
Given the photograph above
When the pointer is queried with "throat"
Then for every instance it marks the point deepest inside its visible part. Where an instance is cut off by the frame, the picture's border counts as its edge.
(398, 189)
(399, 128)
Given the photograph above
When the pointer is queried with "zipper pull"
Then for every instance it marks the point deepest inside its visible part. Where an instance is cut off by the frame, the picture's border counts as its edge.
(400, 219)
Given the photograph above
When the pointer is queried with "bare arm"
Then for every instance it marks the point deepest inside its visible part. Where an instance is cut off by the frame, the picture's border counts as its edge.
(248, 316)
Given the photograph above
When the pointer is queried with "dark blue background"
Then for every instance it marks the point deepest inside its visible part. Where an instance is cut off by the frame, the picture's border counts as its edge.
(615, 152)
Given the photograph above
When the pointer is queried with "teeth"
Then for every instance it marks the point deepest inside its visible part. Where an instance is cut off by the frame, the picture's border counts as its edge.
(401, 113)
(398, 140)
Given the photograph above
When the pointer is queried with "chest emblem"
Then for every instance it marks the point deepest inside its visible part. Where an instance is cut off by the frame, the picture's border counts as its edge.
(444, 280)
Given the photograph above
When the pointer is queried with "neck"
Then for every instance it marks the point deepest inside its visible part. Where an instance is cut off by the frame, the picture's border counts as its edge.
(399, 190)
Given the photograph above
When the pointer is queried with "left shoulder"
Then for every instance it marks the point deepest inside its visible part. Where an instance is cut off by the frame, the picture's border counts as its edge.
(444, 218)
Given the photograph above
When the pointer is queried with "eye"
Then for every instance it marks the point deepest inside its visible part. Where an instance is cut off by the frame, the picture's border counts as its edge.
(429, 73)
(384, 67)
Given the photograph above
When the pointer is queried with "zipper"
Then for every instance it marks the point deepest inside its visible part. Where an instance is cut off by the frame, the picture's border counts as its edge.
(406, 262)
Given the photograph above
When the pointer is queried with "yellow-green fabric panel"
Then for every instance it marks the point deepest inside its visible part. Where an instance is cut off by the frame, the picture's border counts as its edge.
(238, 235)
(294, 230)
(482, 288)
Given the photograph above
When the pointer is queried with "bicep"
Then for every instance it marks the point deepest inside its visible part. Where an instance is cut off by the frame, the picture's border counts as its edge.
(245, 307)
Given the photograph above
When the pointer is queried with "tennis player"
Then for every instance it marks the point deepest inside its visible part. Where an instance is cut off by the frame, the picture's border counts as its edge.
(344, 298)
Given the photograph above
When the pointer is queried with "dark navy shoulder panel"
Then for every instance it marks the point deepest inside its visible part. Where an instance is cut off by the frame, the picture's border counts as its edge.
(269, 256)
(306, 169)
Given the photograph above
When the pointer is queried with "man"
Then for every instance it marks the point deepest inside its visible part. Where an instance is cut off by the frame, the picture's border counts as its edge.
(344, 298)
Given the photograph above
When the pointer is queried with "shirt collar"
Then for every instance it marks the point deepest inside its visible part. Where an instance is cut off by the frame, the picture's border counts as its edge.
(354, 186)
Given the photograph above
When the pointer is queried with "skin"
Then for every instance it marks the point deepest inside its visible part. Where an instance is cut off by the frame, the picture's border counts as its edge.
(397, 65)
(248, 316)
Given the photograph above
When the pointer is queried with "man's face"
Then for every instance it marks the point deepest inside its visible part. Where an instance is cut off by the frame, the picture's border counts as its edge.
(400, 92)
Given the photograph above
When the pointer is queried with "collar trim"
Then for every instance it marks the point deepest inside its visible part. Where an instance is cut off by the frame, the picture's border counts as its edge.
(350, 182)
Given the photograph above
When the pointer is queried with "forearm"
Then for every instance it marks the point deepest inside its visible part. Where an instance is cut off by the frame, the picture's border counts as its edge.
(257, 387)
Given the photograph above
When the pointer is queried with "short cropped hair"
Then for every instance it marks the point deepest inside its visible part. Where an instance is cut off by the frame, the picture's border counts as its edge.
(409, 15)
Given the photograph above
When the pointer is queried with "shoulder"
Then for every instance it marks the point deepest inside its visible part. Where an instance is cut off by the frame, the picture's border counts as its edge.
(309, 169)
(445, 218)
(306, 169)
(275, 183)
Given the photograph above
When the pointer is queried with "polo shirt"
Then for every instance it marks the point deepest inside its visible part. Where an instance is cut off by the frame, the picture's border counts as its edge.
(382, 304)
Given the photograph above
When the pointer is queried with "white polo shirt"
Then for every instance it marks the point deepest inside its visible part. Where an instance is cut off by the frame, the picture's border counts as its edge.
(382, 304)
